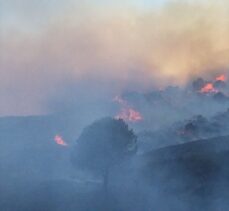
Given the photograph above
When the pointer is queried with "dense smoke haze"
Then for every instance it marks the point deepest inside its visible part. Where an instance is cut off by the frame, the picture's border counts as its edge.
(118, 46)
(114, 105)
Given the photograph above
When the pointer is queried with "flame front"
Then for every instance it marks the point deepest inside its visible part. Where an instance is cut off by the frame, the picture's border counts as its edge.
(208, 88)
(59, 140)
(127, 113)
(221, 78)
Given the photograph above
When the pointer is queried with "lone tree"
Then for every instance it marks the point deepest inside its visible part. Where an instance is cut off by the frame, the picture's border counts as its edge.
(102, 144)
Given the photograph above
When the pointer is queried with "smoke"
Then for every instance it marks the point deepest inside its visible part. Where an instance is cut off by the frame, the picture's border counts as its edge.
(111, 47)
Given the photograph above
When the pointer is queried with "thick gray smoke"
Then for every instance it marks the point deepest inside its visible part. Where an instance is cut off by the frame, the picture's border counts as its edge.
(114, 44)
(171, 165)
(74, 63)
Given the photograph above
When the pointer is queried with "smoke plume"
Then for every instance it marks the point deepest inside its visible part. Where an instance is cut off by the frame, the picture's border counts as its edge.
(114, 47)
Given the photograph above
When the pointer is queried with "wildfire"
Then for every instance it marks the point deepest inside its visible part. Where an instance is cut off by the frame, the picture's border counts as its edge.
(221, 78)
(208, 88)
(127, 113)
(59, 140)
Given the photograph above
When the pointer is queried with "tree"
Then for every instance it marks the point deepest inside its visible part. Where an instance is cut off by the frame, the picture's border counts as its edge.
(103, 144)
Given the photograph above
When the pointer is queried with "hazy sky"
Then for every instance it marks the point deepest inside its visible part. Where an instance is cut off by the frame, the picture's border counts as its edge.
(68, 49)
(29, 13)
(28, 80)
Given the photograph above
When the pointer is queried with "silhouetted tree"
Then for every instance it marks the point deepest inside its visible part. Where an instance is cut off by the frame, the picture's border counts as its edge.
(102, 144)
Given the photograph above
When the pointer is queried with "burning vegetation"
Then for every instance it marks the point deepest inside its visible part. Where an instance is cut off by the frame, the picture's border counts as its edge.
(221, 78)
(127, 113)
(153, 148)
(210, 87)
(173, 116)
(60, 141)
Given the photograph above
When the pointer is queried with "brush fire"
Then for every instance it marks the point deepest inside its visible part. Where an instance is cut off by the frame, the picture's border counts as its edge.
(221, 78)
(127, 113)
(209, 87)
(60, 141)
(114, 105)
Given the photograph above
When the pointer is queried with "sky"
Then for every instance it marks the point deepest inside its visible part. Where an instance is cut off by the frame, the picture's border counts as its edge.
(101, 48)
(28, 13)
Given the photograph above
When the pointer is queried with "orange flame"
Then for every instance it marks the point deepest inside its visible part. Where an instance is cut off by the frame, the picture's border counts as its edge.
(221, 78)
(208, 88)
(127, 113)
(59, 140)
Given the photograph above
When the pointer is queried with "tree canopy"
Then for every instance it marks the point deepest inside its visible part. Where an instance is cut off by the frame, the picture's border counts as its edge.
(102, 144)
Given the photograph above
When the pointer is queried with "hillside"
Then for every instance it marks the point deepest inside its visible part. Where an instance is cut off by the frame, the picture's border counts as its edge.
(36, 170)
(191, 176)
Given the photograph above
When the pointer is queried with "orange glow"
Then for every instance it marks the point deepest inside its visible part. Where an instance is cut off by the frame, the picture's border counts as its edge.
(208, 88)
(127, 113)
(59, 140)
(221, 78)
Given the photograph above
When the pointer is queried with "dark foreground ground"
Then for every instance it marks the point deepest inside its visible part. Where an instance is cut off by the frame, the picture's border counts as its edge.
(36, 174)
